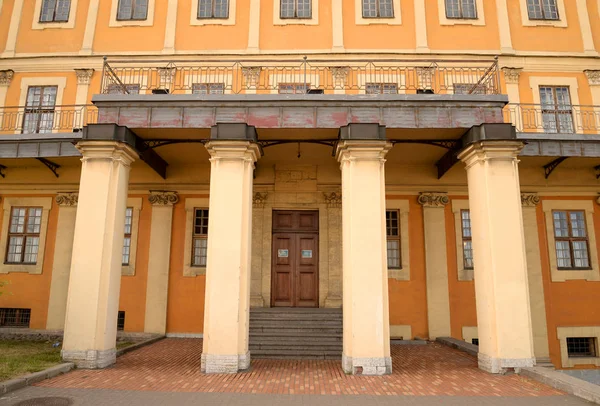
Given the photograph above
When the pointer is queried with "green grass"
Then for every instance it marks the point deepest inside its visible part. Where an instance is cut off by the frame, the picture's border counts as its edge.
(23, 357)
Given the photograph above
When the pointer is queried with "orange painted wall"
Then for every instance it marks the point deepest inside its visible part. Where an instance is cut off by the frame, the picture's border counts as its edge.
(33, 291)
(379, 36)
(465, 37)
(408, 299)
(133, 288)
(212, 37)
(539, 38)
(296, 37)
(5, 15)
(50, 40)
(185, 306)
(570, 303)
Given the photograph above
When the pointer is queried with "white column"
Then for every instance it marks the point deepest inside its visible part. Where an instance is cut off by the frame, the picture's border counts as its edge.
(227, 297)
(365, 277)
(436, 263)
(501, 287)
(94, 283)
(61, 266)
(421, 26)
(13, 29)
(90, 28)
(169, 44)
(157, 286)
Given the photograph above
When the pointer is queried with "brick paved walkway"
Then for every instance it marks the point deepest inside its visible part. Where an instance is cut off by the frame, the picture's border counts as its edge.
(173, 365)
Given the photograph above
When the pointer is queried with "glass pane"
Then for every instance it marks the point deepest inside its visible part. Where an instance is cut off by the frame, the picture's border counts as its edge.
(561, 226)
(125, 9)
(46, 122)
(205, 9)
(140, 11)
(15, 249)
(128, 219)
(49, 96)
(33, 96)
(534, 9)
(469, 9)
(393, 253)
(287, 9)
(31, 250)
(550, 10)
(562, 97)
(199, 88)
(563, 254)
(126, 250)
(62, 10)
(547, 98)
(452, 9)
(369, 8)
(47, 13)
(466, 223)
(468, 254)
(17, 223)
(392, 223)
(304, 8)
(221, 8)
(199, 252)
(201, 222)
(34, 221)
(390, 88)
(577, 224)
(385, 8)
(373, 88)
(216, 88)
(580, 254)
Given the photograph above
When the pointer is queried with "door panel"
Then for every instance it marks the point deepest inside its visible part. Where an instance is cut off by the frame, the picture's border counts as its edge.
(282, 287)
(307, 259)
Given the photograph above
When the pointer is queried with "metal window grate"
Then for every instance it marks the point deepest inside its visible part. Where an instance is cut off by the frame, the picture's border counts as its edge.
(121, 320)
(14, 317)
(581, 346)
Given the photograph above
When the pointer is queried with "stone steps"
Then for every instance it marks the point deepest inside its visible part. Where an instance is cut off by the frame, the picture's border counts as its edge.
(296, 333)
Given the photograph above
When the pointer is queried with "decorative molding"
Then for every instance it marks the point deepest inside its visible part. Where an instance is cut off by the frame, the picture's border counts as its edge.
(433, 199)
(251, 75)
(259, 199)
(166, 75)
(84, 76)
(163, 198)
(530, 199)
(340, 75)
(593, 77)
(68, 199)
(333, 199)
(425, 76)
(6, 77)
(511, 75)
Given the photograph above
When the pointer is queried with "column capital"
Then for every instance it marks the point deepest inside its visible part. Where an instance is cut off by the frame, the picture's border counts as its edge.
(593, 77)
(233, 150)
(68, 199)
(163, 198)
(530, 199)
(6, 77)
(84, 76)
(333, 199)
(363, 150)
(482, 151)
(107, 150)
(259, 199)
(433, 199)
(511, 75)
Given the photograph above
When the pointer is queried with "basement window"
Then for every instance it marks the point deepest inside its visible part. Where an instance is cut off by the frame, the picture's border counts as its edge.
(475, 341)
(121, 320)
(581, 347)
(14, 317)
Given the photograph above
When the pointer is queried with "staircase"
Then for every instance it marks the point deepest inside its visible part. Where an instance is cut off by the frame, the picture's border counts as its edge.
(296, 333)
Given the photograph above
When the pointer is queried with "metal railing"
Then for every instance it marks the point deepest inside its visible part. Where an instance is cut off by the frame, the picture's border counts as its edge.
(46, 119)
(301, 76)
(532, 118)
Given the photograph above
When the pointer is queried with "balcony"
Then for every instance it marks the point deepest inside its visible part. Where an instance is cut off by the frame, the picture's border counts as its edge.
(538, 121)
(46, 119)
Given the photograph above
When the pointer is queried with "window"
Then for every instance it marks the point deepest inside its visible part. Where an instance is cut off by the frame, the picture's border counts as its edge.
(571, 239)
(55, 11)
(293, 88)
(475, 341)
(132, 10)
(465, 216)
(461, 9)
(467, 88)
(295, 9)
(24, 235)
(557, 115)
(377, 9)
(392, 229)
(381, 88)
(542, 9)
(39, 109)
(581, 346)
(213, 9)
(14, 317)
(200, 237)
(115, 88)
(121, 320)
(208, 88)
(127, 240)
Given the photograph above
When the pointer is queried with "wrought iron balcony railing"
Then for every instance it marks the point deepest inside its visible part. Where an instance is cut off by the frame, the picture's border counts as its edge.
(46, 119)
(553, 119)
(302, 76)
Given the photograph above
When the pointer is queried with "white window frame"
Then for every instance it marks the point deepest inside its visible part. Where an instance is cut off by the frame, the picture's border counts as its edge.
(444, 20)
(194, 20)
(403, 206)
(561, 22)
(535, 82)
(586, 331)
(313, 20)
(148, 22)
(8, 203)
(136, 204)
(190, 205)
(360, 20)
(69, 24)
(463, 274)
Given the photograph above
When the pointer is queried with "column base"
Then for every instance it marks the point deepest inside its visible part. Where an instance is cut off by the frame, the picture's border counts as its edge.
(367, 366)
(224, 364)
(257, 301)
(333, 302)
(90, 359)
(502, 365)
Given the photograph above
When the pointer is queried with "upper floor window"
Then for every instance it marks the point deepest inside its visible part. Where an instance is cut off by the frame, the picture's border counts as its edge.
(467, 243)
(115, 88)
(24, 235)
(381, 88)
(199, 237)
(466, 88)
(295, 9)
(39, 109)
(293, 88)
(461, 9)
(571, 239)
(132, 10)
(213, 9)
(392, 230)
(55, 11)
(557, 115)
(377, 9)
(542, 9)
(208, 88)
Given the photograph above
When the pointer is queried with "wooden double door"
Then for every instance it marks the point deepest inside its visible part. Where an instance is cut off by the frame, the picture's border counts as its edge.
(295, 259)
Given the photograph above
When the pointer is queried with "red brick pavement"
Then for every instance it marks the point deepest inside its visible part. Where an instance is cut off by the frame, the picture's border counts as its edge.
(173, 365)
